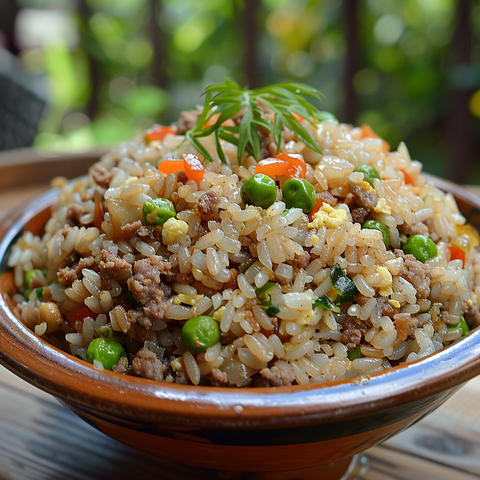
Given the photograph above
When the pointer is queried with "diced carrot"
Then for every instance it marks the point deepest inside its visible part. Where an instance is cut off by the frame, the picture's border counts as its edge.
(170, 166)
(456, 253)
(316, 208)
(296, 166)
(193, 167)
(158, 133)
(79, 315)
(213, 119)
(408, 178)
(272, 167)
(367, 132)
(282, 164)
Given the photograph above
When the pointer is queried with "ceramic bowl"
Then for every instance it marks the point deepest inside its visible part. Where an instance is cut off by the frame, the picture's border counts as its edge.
(302, 431)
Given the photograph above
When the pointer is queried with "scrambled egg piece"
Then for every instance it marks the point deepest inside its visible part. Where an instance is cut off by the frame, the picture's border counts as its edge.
(383, 207)
(394, 303)
(217, 316)
(306, 318)
(328, 216)
(386, 284)
(173, 229)
(186, 299)
(177, 364)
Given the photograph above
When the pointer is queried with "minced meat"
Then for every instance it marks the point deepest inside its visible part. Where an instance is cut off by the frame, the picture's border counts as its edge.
(207, 206)
(147, 287)
(147, 365)
(364, 197)
(101, 176)
(280, 374)
(352, 332)
(416, 273)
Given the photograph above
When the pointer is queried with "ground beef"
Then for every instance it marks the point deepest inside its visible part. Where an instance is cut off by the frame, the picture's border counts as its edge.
(102, 176)
(327, 197)
(139, 318)
(232, 281)
(147, 365)
(219, 378)
(416, 273)
(187, 120)
(472, 316)
(66, 276)
(75, 212)
(280, 374)
(122, 366)
(359, 214)
(405, 325)
(364, 197)
(147, 287)
(181, 377)
(85, 262)
(131, 229)
(387, 309)
(115, 267)
(353, 331)
(418, 228)
(302, 260)
(207, 206)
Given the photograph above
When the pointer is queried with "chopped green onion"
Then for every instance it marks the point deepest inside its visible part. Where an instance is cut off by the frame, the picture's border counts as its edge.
(344, 286)
(355, 353)
(39, 293)
(461, 324)
(243, 267)
(272, 310)
(326, 302)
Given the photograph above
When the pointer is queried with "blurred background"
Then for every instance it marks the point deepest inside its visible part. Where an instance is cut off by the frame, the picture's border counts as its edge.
(75, 74)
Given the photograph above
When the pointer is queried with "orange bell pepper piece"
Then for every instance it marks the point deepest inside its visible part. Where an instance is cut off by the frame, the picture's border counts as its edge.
(79, 315)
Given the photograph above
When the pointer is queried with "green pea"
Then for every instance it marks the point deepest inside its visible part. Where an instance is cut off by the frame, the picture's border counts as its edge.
(158, 211)
(421, 247)
(259, 190)
(30, 275)
(355, 353)
(369, 173)
(299, 193)
(381, 227)
(107, 352)
(201, 332)
(461, 324)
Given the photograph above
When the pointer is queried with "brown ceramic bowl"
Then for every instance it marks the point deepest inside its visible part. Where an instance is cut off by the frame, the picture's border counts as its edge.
(304, 431)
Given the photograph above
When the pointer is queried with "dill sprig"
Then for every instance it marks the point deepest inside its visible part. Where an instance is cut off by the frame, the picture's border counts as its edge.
(228, 99)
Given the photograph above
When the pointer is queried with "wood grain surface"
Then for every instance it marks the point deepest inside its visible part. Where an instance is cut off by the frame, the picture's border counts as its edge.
(42, 440)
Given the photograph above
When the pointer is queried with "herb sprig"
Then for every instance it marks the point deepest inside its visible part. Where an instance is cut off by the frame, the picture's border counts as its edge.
(225, 100)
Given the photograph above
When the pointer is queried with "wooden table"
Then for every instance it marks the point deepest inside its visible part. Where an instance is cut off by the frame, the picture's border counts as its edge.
(42, 440)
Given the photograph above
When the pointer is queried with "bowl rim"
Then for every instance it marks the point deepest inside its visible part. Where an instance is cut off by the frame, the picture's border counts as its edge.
(79, 383)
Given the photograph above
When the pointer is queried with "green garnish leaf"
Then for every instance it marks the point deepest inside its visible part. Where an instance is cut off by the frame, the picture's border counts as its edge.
(227, 99)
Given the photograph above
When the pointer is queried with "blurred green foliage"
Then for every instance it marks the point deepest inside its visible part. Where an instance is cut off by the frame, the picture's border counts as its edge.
(143, 61)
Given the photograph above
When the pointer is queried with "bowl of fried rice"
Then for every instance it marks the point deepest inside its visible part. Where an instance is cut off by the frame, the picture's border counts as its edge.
(256, 287)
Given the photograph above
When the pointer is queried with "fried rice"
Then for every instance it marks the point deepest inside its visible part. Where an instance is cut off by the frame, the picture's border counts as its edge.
(99, 269)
